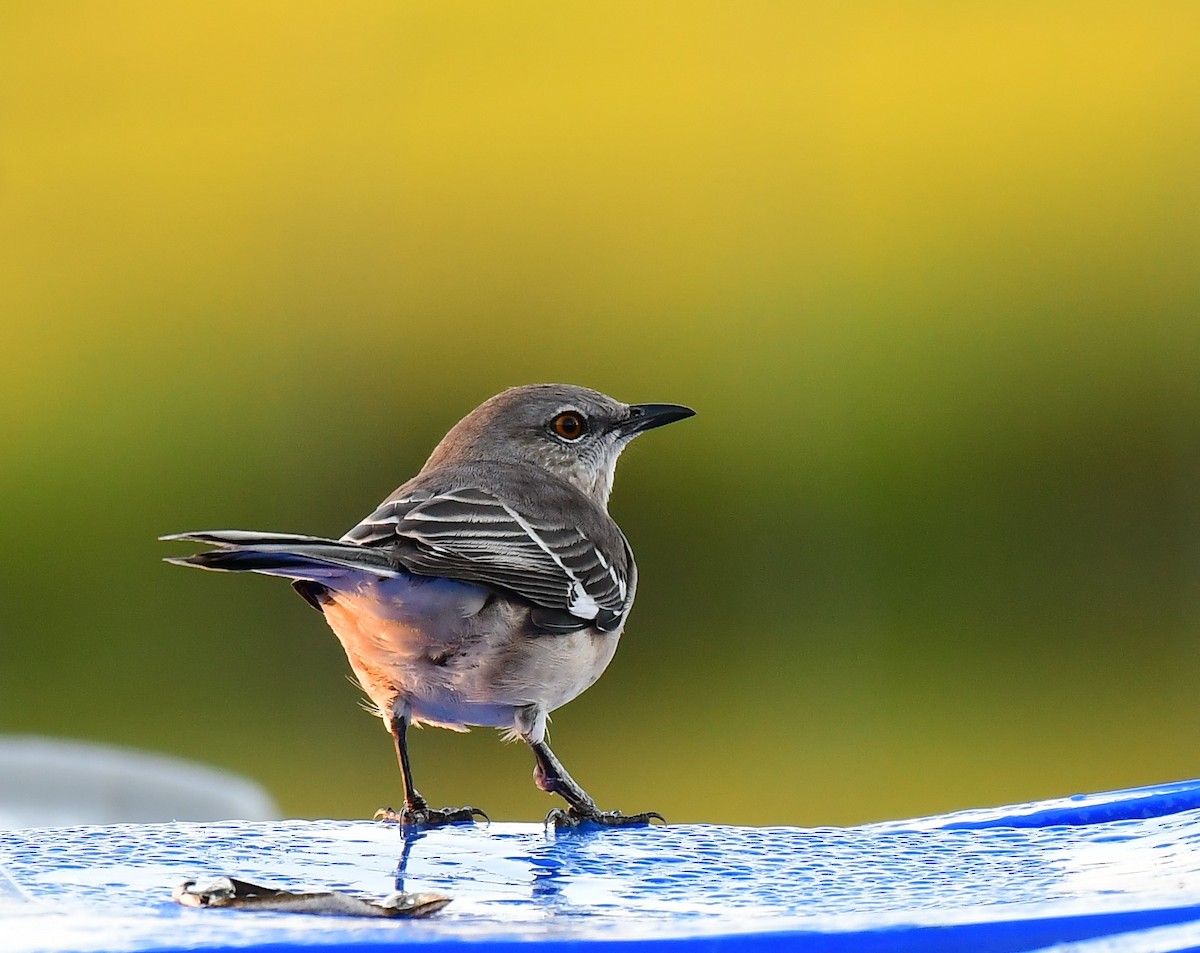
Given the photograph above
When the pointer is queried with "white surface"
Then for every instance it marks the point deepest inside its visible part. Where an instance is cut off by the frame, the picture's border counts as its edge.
(48, 782)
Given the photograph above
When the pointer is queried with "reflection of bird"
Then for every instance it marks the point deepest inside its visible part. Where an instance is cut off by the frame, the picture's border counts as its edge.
(489, 589)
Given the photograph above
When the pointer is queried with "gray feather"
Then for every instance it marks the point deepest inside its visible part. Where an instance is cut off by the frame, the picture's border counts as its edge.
(280, 554)
(531, 550)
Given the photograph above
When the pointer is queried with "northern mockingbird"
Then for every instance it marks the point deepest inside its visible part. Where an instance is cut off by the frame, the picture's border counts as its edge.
(490, 589)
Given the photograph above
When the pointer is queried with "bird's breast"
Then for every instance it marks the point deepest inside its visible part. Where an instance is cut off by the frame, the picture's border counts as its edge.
(458, 654)
(437, 607)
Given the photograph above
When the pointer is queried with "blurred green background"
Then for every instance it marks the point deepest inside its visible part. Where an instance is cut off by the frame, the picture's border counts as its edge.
(929, 272)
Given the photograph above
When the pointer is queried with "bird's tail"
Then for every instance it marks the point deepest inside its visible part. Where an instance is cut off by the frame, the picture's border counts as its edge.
(308, 558)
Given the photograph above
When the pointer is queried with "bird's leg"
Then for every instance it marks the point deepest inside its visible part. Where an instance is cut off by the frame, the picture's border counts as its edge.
(416, 811)
(550, 775)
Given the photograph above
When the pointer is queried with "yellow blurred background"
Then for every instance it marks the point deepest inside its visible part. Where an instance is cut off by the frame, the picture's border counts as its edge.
(930, 274)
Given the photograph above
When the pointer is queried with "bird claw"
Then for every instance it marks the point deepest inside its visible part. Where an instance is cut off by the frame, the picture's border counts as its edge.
(425, 817)
(571, 819)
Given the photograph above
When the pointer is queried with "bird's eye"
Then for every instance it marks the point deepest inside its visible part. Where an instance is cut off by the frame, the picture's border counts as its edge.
(569, 425)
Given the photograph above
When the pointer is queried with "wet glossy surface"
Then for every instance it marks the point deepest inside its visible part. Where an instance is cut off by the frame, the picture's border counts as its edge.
(1010, 878)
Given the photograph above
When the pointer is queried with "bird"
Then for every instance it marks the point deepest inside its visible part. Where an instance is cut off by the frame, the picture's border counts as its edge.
(489, 590)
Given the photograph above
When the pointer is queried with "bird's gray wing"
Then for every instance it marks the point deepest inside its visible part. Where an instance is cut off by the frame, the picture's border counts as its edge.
(472, 535)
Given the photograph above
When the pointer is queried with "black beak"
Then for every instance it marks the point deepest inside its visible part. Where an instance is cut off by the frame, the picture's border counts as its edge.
(648, 416)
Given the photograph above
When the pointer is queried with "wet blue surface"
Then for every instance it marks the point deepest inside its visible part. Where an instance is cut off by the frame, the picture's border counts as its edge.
(1112, 871)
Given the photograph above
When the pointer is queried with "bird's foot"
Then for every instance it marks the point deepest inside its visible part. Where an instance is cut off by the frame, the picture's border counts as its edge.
(424, 816)
(572, 818)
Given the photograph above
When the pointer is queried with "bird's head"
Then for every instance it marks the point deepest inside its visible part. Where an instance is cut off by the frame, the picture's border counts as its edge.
(575, 433)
